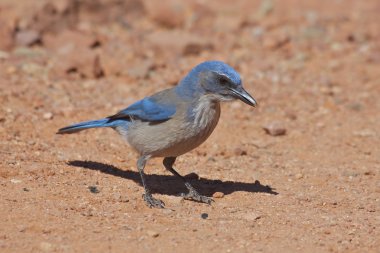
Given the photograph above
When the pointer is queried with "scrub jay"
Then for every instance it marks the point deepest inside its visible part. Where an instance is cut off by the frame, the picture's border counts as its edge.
(174, 121)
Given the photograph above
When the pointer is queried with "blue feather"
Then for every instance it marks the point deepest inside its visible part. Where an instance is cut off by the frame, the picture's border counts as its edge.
(147, 109)
(93, 124)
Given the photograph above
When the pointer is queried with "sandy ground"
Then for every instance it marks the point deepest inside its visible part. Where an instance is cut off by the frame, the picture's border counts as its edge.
(313, 66)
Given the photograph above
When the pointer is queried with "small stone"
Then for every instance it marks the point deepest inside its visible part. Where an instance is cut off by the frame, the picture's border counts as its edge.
(298, 176)
(27, 38)
(123, 199)
(240, 152)
(211, 159)
(337, 47)
(141, 70)
(120, 159)
(332, 91)
(67, 44)
(116, 196)
(365, 133)
(196, 47)
(93, 189)
(218, 195)
(47, 115)
(167, 211)
(152, 233)
(204, 216)
(275, 129)
(15, 181)
(251, 216)
(291, 115)
(355, 106)
(178, 42)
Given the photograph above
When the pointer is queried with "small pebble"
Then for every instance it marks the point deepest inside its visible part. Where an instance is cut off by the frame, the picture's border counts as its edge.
(218, 195)
(93, 189)
(47, 115)
(27, 38)
(251, 216)
(120, 198)
(204, 216)
(291, 115)
(152, 233)
(240, 152)
(167, 211)
(15, 181)
(298, 176)
(275, 129)
(365, 133)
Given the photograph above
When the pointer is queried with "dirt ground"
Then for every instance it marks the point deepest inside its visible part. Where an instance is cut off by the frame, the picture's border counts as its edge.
(313, 66)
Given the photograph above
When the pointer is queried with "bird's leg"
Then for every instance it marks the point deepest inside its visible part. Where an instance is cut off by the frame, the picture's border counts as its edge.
(192, 194)
(147, 196)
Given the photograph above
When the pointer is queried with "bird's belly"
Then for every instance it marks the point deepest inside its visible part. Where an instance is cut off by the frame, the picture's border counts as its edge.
(174, 137)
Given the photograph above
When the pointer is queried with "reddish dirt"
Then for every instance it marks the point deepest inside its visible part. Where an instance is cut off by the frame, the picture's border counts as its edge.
(313, 66)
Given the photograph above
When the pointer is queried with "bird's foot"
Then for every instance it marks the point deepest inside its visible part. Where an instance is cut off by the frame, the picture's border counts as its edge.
(195, 196)
(152, 202)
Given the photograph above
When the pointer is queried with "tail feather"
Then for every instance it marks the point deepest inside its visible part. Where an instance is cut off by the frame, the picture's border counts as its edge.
(90, 124)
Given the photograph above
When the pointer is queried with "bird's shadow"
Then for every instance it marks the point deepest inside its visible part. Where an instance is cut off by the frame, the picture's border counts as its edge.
(171, 185)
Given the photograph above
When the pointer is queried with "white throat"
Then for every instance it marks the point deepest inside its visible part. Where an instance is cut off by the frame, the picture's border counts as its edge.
(207, 111)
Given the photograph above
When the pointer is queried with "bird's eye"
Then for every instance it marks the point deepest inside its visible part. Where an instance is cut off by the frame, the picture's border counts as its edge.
(223, 80)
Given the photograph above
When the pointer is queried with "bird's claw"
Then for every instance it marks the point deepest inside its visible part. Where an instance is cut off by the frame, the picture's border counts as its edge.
(152, 202)
(195, 196)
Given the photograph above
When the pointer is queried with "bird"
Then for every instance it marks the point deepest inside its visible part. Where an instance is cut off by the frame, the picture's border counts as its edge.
(175, 121)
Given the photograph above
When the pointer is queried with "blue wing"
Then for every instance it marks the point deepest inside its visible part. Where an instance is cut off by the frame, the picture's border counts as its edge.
(148, 109)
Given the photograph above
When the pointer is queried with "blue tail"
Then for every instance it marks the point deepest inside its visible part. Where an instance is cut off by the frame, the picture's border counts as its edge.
(107, 122)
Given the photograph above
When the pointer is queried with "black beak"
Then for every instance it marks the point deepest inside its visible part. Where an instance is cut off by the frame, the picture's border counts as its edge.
(244, 96)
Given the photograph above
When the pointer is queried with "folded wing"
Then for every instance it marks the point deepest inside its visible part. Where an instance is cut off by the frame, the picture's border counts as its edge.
(147, 109)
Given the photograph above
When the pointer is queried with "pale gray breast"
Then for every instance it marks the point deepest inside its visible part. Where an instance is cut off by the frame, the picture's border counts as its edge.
(178, 135)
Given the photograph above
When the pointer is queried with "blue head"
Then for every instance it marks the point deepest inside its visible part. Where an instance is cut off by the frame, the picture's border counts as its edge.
(215, 78)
